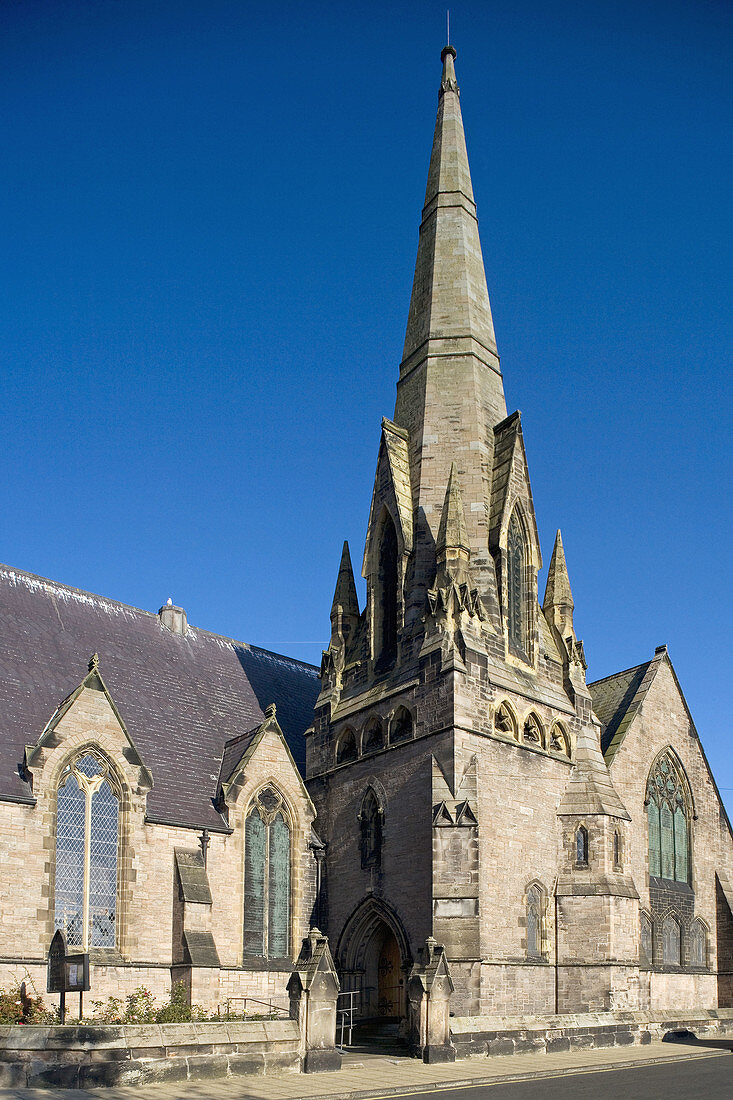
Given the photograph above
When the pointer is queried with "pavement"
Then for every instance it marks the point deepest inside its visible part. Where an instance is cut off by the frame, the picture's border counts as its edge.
(365, 1076)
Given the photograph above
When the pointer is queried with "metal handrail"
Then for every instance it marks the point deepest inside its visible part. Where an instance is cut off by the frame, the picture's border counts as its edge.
(345, 1015)
(270, 1005)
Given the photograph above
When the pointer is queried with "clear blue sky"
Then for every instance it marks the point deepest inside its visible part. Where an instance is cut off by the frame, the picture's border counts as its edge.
(210, 217)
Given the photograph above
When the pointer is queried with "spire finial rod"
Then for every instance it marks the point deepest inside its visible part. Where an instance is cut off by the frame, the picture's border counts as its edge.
(447, 27)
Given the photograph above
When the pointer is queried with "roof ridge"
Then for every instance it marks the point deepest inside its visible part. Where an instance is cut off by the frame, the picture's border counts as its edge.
(11, 570)
(621, 672)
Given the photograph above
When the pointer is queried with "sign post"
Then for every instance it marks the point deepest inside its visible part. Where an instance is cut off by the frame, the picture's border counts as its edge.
(66, 973)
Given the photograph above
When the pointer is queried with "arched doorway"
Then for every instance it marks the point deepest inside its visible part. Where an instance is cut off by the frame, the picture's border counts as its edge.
(383, 989)
(374, 960)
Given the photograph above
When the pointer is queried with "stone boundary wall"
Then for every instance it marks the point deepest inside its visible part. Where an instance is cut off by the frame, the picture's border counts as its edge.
(89, 1057)
(488, 1035)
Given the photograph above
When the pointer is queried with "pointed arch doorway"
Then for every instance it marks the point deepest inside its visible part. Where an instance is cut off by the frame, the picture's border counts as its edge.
(374, 959)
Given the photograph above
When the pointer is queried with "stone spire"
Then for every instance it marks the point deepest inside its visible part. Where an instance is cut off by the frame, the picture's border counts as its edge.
(450, 301)
(345, 606)
(450, 394)
(558, 602)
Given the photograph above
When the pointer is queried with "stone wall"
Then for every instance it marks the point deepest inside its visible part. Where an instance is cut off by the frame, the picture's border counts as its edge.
(491, 1035)
(663, 721)
(87, 1057)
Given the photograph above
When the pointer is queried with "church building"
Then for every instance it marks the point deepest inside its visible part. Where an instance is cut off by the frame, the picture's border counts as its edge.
(185, 806)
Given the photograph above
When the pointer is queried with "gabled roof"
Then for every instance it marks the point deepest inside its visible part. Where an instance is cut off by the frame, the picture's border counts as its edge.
(616, 699)
(181, 697)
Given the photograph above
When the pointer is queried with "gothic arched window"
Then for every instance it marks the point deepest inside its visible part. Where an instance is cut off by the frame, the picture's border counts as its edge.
(668, 815)
(581, 846)
(535, 920)
(401, 726)
(698, 944)
(346, 747)
(87, 844)
(671, 941)
(616, 850)
(559, 741)
(647, 940)
(370, 822)
(387, 595)
(267, 877)
(515, 587)
(533, 731)
(373, 738)
(505, 722)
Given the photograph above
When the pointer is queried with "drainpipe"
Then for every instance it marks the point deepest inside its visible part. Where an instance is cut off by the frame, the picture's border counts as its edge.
(557, 956)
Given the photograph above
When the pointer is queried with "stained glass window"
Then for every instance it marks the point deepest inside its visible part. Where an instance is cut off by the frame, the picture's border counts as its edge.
(668, 821)
(671, 941)
(581, 846)
(373, 736)
(534, 921)
(267, 878)
(515, 585)
(87, 843)
(346, 750)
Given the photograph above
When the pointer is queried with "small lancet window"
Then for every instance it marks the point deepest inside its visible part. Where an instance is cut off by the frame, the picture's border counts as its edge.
(401, 726)
(617, 850)
(515, 595)
(533, 731)
(581, 846)
(87, 847)
(535, 916)
(346, 748)
(671, 941)
(267, 877)
(668, 816)
(370, 823)
(388, 587)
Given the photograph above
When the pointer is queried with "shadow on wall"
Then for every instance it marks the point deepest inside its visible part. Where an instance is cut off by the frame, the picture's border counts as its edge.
(291, 685)
(688, 1038)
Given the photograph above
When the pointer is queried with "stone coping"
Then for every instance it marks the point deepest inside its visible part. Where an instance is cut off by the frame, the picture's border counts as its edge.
(79, 1056)
(670, 1018)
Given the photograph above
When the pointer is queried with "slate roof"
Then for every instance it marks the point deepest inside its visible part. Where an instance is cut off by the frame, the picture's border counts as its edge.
(613, 697)
(182, 698)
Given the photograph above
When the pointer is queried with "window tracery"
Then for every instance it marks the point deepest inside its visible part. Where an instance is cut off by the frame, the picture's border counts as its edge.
(267, 877)
(346, 748)
(698, 944)
(533, 731)
(505, 722)
(647, 940)
(373, 736)
(559, 741)
(401, 726)
(671, 941)
(668, 821)
(87, 844)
